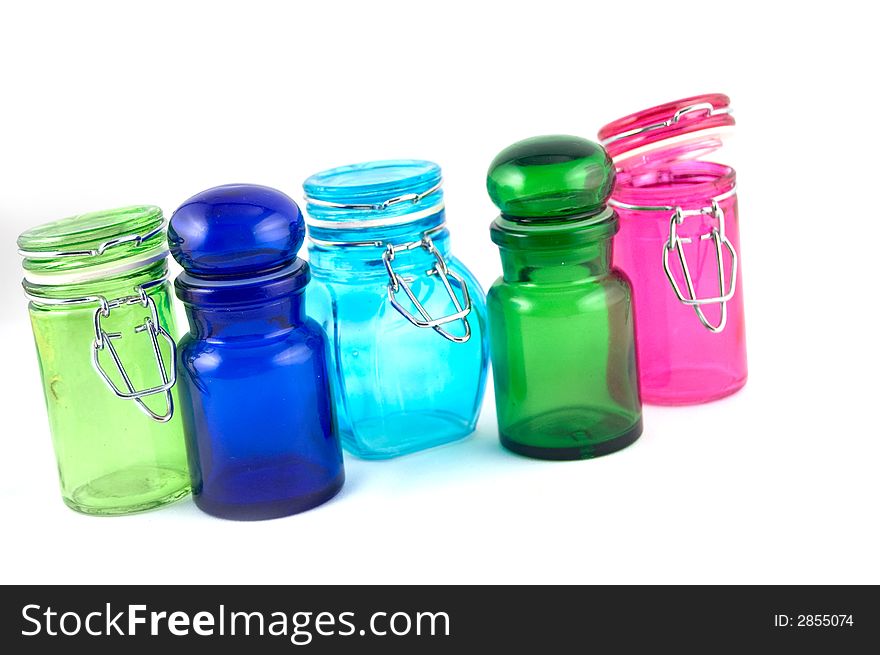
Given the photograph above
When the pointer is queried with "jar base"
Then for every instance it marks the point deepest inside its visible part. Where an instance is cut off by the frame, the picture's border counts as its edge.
(254, 493)
(404, 433)
(573, 433)
(128, 491)
(690, 387)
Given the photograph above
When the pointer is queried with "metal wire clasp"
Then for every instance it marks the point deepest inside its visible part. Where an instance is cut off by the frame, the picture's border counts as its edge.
(718, 236)
(447, 277)
(104, 341)
(100, 249)
(706, 107)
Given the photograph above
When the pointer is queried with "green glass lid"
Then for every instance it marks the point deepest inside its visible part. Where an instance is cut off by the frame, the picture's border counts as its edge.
(550, 177)
(94, 239)
(552, 192)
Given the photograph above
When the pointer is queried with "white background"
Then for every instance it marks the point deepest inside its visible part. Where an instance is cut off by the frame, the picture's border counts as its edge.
(110, 104)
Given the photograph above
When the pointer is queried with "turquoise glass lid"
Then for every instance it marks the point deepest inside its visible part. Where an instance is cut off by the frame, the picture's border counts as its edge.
(372, 194)
(372, 183)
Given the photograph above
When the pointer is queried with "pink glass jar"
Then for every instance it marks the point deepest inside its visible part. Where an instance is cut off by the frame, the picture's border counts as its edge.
(679, 245)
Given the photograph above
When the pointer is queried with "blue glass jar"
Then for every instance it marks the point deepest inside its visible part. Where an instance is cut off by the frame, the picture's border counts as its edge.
(405, 319)
(252, 371)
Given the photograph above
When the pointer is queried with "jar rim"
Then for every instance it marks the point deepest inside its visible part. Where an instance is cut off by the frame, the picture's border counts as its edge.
(561, 234)
(210, 293)
(74, 291)
(684, 183)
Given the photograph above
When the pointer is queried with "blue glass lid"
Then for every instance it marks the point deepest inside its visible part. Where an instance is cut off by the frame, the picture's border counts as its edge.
(236, 230)
(234, 238)
(374, 194)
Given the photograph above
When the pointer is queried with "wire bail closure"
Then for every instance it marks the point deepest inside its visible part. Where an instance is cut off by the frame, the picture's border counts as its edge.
(675, 242)
(104, 341)
(396, 282)
(720, 240)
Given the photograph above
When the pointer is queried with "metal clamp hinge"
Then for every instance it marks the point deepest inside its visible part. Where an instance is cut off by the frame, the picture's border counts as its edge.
(719, 238)
(447, 277)
(104, 341)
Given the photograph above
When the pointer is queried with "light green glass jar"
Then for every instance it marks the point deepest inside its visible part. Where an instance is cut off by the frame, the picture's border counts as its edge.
(102, 320)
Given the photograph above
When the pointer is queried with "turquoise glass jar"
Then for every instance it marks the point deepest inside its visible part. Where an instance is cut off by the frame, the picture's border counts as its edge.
(405, 319)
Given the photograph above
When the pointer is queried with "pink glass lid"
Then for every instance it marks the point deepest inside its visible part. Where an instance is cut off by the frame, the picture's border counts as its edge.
(681, 130)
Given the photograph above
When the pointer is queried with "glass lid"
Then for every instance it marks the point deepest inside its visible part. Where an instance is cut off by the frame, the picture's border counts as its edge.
(373, 194)
(94, 240)
(685, 129)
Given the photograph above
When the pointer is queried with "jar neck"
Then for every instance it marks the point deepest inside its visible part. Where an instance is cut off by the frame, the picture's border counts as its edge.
(347, 262)
(247, 322)
(111, 287)
(557, 266)
(686, 184)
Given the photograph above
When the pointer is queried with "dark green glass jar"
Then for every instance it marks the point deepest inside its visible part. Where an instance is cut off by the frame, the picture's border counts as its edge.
(560, 318)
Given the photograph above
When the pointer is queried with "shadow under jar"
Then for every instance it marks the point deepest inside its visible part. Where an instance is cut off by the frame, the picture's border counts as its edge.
(679, 245)
(560, 317)
(405, 319)
(100, 309)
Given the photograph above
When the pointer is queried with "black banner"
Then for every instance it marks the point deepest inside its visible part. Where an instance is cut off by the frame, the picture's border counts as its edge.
(439, 619)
